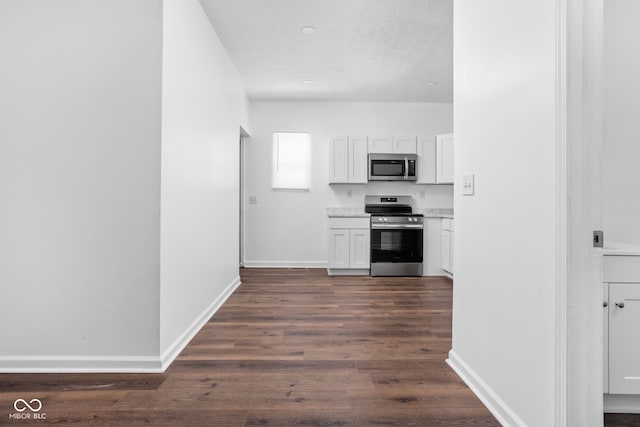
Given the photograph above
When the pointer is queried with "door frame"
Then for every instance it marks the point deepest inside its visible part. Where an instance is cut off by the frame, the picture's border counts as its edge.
(241, 194)
(579, 100)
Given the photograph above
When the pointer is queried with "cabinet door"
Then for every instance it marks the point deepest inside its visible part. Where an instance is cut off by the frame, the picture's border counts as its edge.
(339, 248)
(451, 252)
(339, 161)
(446, 250)
(380, 144)
(605, 338)
(426, 160)
(360, 248)
(404, 144)
(624, 338)
(444, 159)
(358, 165)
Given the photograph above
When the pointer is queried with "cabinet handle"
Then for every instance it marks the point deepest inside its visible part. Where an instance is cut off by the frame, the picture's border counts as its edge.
(605, 304)
(620, 304)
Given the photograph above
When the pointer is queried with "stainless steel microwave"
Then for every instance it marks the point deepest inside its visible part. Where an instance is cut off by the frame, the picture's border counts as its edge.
(393, 167)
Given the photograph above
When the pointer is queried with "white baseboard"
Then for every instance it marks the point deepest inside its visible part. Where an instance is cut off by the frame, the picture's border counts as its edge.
(621, 404)
(115, 364)
(170, 354)
(79, 364)
(503, 413)
(349, 272)
(285, 264)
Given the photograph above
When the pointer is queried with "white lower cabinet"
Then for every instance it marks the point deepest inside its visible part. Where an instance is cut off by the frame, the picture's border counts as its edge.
(349, 246)
(339, 248)
(447, 245)
(621, 335)
(624, 338)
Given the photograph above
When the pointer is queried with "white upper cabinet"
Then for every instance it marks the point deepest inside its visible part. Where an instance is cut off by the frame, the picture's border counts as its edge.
(348, 160)
(339, 158)
(444, 159)
(358, 167)
(404, 144)
(380, 144)
(426, 160)
(396, 144)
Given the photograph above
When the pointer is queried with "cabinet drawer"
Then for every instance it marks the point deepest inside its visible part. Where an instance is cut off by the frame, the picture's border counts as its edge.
(622, 269)
(352, 223)
(446, 224)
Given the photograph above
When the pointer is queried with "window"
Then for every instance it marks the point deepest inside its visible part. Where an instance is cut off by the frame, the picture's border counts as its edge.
(291, 161)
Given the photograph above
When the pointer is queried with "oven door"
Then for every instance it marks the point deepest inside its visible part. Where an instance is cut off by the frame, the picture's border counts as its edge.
(396, 244)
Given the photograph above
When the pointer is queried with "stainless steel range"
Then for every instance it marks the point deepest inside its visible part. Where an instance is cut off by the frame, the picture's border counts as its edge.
(396, 236)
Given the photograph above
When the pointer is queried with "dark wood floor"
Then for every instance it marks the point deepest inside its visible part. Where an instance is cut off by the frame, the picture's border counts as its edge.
(289, 347)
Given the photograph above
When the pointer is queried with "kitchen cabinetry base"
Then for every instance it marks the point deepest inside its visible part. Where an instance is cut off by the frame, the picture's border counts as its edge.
(621, 404)
(348, 271)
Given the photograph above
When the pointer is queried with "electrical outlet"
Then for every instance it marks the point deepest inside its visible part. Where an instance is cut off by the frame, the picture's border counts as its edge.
(349, 193)
(468, 187)
(253, 200)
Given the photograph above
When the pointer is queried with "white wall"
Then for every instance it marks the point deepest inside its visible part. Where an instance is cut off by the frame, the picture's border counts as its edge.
(203, 107)
(505, 128)
(621, 111)
(79, 178)
(290, 227)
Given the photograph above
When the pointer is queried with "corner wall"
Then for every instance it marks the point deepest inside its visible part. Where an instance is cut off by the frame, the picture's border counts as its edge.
(79, 178)
(504, 296)
(203, 107)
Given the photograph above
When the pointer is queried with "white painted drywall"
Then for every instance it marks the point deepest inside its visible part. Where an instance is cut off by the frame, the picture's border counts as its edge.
(290, 227)
(505, 262)
(621, 111)
(203, 107)
(80, 119)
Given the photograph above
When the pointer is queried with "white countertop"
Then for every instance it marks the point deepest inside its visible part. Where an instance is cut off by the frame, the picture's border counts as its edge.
(347, 213)
(360, 213)
(621, 249)
(436, 212)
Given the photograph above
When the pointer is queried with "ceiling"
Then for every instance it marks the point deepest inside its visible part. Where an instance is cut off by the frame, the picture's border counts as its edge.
(361, 50)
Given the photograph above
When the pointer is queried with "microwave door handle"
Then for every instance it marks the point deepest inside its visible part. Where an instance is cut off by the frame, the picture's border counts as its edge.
(406, 169)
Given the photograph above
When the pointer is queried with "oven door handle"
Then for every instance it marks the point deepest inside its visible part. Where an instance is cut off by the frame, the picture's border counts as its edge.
(397, 226)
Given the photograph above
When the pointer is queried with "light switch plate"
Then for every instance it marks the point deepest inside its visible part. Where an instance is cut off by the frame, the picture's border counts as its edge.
(468, 187)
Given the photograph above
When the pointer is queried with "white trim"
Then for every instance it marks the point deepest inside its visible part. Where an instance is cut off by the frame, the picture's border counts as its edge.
(348, 272)
(79, 364)
(561, 216)
(503, 413)
(116, 364)
(621, 404)
(170, 354)
(285, 264)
